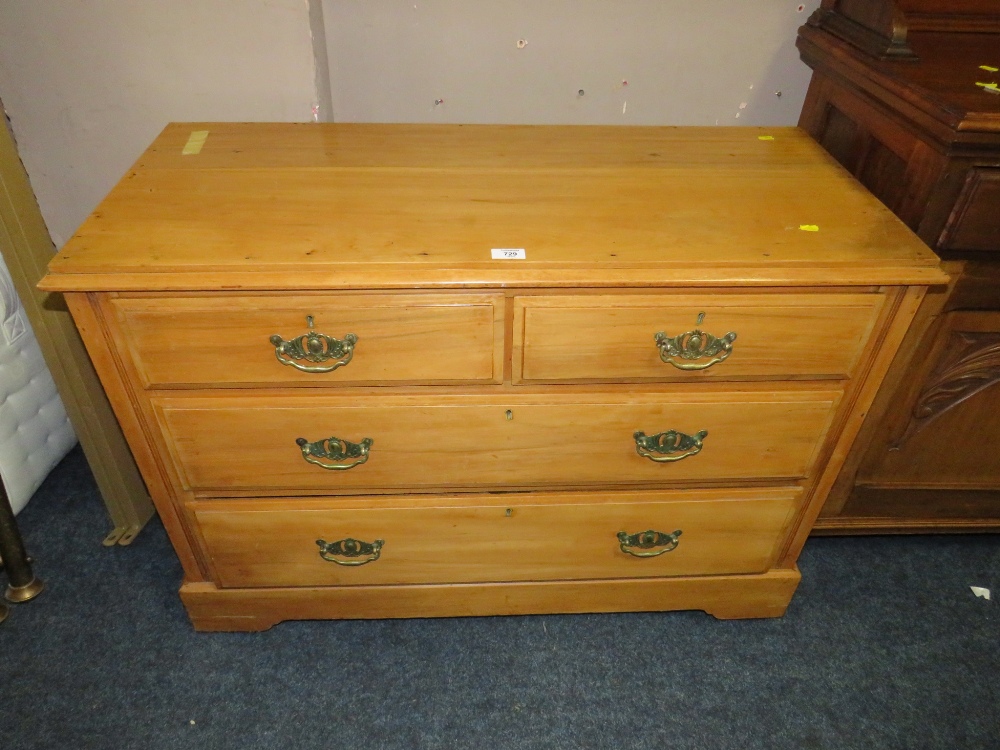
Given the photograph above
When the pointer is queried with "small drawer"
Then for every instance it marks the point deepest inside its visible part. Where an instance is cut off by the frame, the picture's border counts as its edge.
(225, 340)
(667, 337)
(460, 539)
(334, 444)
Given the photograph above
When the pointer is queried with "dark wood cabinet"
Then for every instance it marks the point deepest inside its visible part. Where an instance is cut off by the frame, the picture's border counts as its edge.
(898, 98)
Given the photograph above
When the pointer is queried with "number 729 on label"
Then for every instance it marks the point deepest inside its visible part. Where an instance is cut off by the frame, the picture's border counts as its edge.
(510, 253)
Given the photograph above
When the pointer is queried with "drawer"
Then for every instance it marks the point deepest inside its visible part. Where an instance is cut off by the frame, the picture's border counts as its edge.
(717, 337)
(287, 441)
(230, 340)
(490, 538)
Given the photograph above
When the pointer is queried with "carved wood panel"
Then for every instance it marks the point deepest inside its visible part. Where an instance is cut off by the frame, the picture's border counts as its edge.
(969, 363)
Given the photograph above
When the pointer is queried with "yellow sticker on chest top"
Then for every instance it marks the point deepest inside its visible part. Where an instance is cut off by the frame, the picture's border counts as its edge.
(194, 142)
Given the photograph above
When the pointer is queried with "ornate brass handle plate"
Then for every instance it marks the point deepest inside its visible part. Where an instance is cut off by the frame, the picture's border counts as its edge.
(335, 454)
(649, 540)
(668, 446)
(350, 548)
(316, 348)
(687, 351)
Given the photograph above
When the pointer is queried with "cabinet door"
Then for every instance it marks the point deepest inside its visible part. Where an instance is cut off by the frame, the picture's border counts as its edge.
(974, 224)
(949, 437)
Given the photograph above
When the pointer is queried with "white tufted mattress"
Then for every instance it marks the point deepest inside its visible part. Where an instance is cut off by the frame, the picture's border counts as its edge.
(35, 432)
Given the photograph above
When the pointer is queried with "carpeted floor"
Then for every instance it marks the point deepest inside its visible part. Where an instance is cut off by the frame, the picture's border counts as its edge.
(884, 646)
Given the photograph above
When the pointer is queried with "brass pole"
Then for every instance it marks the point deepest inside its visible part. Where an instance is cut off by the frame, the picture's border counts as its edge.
(22, 585)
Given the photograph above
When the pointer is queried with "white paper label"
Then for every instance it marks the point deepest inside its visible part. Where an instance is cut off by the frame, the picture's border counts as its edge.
(510, 253)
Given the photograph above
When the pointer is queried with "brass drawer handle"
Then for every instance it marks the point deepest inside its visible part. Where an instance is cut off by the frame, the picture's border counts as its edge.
(314, 347)
(333, 551)
(648, 540)
(668, 446)
(683, 350)
(329, 453)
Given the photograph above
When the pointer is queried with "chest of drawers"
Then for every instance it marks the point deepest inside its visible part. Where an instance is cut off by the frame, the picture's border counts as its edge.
(405, 371)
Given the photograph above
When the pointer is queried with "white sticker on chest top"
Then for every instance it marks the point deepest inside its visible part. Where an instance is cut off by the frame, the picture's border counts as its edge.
(511, 253)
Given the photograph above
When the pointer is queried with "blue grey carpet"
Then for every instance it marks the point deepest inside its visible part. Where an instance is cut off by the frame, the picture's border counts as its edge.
(884, 646)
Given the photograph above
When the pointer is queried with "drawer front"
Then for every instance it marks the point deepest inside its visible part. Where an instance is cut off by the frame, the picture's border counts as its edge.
(723, 337)
(228, 340)
(272, 442)
(486, 538)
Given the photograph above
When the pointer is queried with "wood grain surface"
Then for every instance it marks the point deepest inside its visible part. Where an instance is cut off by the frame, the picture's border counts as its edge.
(225, 340)
(611, 337)
(249, 442)
(286, 206)
(468, 538)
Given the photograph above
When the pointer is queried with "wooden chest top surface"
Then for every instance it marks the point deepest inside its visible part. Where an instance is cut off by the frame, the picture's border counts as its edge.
(276, 206)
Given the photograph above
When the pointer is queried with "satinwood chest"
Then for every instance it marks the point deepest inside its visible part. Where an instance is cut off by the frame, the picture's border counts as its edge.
(420, 370)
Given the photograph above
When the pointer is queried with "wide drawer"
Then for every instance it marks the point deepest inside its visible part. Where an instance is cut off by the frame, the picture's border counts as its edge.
(288, 441)
(372, 540)
(635, 338)
(353, 339)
